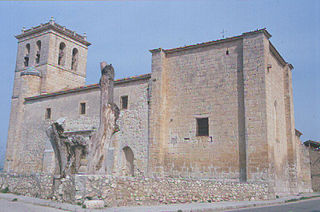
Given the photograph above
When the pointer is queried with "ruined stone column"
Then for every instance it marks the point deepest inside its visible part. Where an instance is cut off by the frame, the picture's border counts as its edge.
(109, 114)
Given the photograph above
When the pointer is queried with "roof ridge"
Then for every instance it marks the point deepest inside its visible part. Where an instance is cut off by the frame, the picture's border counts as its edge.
(207, 43)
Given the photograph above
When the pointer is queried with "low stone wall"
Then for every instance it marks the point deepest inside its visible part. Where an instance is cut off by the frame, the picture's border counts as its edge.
(122, 191)
(125, 191)
(36, 185)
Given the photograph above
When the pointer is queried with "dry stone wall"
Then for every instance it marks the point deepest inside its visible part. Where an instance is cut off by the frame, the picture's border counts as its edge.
(127, 191)
(36, 185)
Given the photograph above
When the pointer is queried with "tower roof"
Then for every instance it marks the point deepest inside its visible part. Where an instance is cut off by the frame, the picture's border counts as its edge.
(52, 25)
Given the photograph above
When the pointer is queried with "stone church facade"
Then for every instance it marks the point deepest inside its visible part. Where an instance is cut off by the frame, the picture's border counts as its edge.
(218, 110)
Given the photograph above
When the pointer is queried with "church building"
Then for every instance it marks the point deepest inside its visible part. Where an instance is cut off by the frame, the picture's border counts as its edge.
(218, 110)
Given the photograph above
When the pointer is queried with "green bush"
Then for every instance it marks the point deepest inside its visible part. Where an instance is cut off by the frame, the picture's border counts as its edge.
(14, 200)
(5, 190)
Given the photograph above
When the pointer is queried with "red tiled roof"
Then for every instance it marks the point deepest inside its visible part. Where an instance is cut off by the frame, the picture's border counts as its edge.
(88, 87)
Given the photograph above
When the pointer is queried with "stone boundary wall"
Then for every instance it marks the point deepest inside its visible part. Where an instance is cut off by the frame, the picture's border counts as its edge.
(34, 185)
(129, 191)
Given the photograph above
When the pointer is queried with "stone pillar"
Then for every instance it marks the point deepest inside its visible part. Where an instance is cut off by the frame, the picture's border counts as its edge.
(255, 107)
(157, 111)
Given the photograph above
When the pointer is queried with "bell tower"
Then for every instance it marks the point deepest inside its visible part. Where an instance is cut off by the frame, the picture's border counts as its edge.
(59, 54)
(50, 58)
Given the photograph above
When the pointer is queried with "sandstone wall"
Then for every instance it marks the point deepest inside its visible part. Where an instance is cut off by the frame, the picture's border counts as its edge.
(199, 83)
(276, 118)
(225, 83)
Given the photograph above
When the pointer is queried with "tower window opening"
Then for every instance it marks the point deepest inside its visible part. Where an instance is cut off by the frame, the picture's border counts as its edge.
(202, 127)
(38, 52)
(83, 108)
(74, 61)
(27, 54)
(61, 56)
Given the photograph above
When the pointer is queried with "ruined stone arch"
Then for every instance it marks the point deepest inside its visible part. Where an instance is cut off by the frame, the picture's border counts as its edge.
(127, 161)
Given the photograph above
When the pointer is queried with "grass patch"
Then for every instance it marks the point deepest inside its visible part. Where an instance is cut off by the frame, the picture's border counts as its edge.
(301, 198)
(84, 206)
(79, 203)
(292, 200)
(14, 200)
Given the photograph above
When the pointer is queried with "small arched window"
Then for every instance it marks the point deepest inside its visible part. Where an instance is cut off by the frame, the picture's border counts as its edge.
(61, 56)
(74, 62)
(38, 52)
(26, 55)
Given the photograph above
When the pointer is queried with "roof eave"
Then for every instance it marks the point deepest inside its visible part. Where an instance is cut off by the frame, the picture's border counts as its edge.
(54, 27)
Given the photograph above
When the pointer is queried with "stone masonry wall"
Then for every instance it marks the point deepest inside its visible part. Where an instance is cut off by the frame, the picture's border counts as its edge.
(315, 168)
(304, 168)
(36, 185)
(36, 151)
(123, 191)
(276, 121)
(191, 84)
(128, 191)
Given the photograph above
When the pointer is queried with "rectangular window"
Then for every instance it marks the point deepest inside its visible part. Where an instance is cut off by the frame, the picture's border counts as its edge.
(202, 127)
(48, 113)
(124, 102)
(83, 108)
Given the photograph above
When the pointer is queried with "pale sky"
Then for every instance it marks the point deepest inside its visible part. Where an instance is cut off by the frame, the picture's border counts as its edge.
(122, 32)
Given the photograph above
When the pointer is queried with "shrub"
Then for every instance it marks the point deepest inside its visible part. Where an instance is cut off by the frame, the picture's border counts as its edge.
(5, 190)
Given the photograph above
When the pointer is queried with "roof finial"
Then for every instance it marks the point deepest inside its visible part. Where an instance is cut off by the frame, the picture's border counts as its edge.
(85, 36)
(51, 20)
(23, 29)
